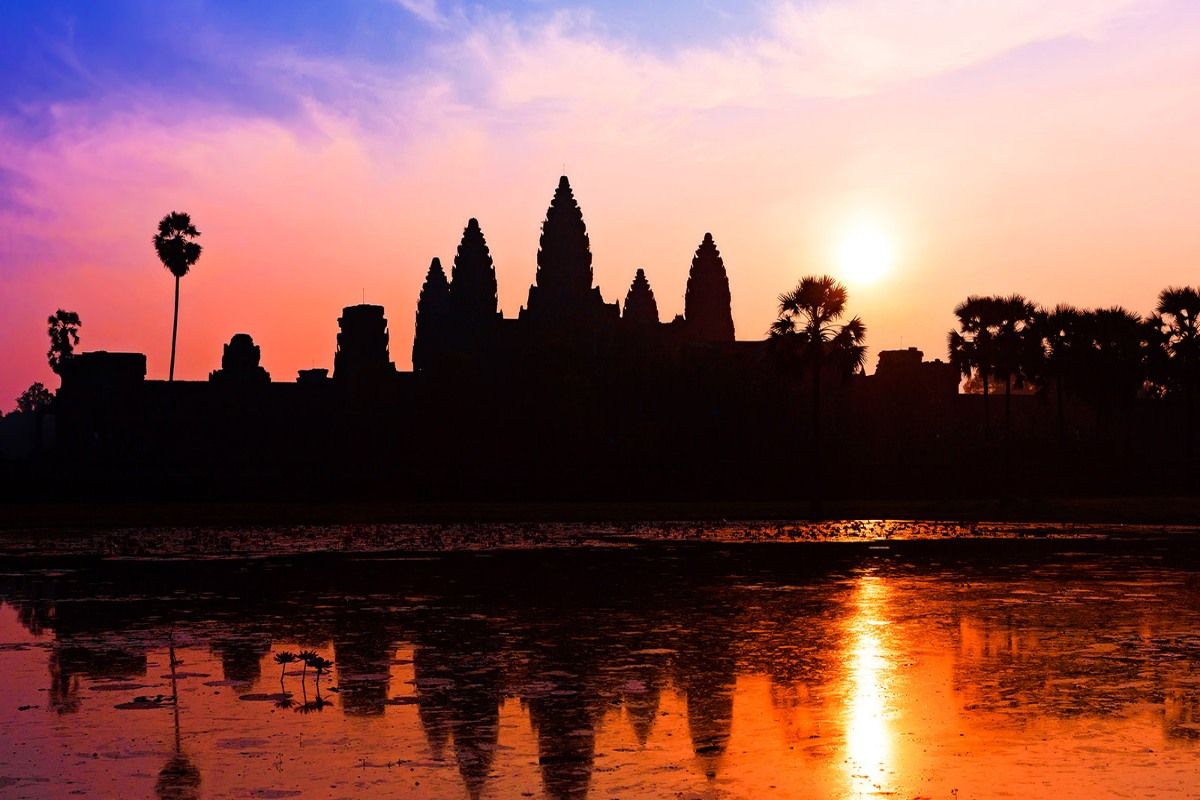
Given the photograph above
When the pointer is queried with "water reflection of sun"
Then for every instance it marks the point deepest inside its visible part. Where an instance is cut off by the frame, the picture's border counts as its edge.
(868, 729)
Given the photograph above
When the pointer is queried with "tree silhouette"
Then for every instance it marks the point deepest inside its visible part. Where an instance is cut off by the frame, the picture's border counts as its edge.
(433, 318)
(1017, 347)
(63, 328)
(1115, 364)
(1060, 346)
(808, 334)
(178, 251)
(1178, 310)
(35, 399)
(640, 305)
(973, 348)
(706, 305)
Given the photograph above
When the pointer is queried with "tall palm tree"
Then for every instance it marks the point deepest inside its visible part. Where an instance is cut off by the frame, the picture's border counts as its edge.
(973, 347)
(1115, 365)
(1059, 348)
(1017, 348)
(178, 251)
(808, 332)
(994, 339)
(1178, 324)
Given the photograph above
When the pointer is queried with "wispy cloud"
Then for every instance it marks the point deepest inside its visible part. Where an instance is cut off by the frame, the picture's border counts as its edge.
(425, 10)
(810, 50)
(928, 113)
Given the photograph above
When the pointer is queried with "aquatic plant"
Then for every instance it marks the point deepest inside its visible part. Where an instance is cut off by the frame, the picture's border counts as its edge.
(320, 666)
(284, 658)
(308, 657)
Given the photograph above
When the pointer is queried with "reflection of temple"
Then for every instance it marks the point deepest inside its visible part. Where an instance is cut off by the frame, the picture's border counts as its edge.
(610, 642)
(458, 677)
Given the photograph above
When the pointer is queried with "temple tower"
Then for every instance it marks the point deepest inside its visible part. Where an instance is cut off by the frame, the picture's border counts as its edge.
(362, 344)
(706, 306)
(641, 308)
(473, 280)
(240, 362)
(563, 292)
(433, 319)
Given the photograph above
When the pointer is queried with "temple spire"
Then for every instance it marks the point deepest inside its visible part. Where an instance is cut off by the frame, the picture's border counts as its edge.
(473, 279)
(563, 292)
(564, 255)
(706, 306)
(640, 305)
(433, 318)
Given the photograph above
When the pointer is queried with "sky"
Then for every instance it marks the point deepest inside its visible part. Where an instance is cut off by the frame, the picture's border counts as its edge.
(327, 151)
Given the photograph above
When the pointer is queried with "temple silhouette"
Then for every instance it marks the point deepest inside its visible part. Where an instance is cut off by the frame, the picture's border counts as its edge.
(574, 397)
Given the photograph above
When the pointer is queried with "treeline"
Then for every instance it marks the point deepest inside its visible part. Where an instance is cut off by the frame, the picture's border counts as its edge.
(1107, 358)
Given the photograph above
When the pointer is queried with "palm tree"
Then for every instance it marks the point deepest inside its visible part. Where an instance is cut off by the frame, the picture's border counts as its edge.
(283, 659)
(178, 251)
(1059, 347)
(994, 340)
(63, 328)
(972, 347)
(1016, 347)
(1115, 364)
(1178, 324)
(808, 333)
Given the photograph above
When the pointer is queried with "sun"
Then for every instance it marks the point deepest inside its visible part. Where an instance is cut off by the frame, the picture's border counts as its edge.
(864, 254)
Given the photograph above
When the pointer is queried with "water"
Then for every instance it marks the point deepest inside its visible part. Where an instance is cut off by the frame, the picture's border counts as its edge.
(1024, 666)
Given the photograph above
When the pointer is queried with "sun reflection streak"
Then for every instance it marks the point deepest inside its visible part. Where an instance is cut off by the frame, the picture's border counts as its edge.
(869, 674)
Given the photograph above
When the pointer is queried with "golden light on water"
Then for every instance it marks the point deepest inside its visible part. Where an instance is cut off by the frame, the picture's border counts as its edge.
(868, 730)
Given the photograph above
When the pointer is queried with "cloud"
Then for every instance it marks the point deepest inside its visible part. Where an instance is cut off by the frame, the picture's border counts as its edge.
(812, 50)
(864, 45)
(425, 10)
(768, 139)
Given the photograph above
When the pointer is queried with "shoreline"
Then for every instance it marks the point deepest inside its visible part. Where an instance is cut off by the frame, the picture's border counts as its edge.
(63, 517)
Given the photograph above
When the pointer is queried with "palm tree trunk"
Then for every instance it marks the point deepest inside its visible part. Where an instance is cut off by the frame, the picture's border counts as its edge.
(1062, 421)
(815, 478)
(987, 423)
(1189, 399)
(174, 332)
(1008, 406)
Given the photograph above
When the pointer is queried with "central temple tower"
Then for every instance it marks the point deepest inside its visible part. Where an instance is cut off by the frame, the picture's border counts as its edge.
(563, 293)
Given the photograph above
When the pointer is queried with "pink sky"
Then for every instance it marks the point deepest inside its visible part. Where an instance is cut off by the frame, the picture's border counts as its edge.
(1047, 150)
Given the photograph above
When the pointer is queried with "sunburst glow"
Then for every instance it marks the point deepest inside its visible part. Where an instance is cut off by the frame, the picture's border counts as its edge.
(864, 254)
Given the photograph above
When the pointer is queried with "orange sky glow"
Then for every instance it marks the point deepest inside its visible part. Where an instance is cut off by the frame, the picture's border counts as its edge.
(1050, 152)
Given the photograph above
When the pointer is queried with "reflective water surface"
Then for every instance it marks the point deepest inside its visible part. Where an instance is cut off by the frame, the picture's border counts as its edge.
(1016, 667)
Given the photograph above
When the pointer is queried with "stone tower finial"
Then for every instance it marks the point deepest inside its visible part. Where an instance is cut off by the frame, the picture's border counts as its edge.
(433, 318)
(640, 306)
(706, 306)
(473, 279)
(564, 260)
